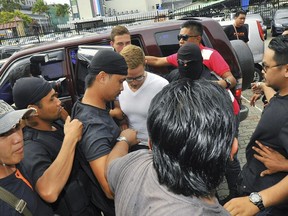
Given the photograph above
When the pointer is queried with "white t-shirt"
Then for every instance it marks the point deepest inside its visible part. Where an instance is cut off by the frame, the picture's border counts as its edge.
(136, 104)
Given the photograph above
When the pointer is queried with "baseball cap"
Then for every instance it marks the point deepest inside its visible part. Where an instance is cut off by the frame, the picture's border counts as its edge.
(108, 61)
(10, 117)
(29, 90)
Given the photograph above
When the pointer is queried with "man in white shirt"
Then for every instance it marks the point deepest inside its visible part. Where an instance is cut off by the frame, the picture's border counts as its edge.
(139, 89)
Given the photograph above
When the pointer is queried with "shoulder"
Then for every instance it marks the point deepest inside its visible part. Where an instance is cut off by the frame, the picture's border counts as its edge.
(157, 78)
(207, 52)
(129, 161)
(229, 27)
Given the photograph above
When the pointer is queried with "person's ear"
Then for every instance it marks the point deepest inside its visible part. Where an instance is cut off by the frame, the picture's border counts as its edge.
(101, 77)
(34, 107)
(111, 43)
(286, 70)
(234, 149)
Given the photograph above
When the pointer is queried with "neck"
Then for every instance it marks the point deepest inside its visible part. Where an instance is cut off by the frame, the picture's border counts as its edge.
(283, 91)
(92, 99)
(6, 170)
(40, 124)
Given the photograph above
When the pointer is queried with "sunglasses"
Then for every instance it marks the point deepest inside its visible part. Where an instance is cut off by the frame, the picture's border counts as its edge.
(185, 37)
(139, 78)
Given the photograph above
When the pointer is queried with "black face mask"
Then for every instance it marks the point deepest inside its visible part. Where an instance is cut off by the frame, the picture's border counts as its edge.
(191, 70)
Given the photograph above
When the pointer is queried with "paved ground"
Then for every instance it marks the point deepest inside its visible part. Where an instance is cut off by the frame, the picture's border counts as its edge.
(246, 129)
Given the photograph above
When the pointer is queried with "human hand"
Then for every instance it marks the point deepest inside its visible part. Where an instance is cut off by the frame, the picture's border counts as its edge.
(131, 136)
(73, 129)
(257, 87)
(254, 98)
(273, 160)
(63, 114)
(241, 207)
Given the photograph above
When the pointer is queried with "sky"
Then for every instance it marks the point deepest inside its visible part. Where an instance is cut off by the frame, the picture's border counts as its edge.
(57, 1)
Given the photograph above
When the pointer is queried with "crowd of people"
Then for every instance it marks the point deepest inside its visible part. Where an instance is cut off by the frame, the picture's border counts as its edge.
(162, 150)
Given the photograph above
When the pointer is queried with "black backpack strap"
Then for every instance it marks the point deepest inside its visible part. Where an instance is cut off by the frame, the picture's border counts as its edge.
(18, 204)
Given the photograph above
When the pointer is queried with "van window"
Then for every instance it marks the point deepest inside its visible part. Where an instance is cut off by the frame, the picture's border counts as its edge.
(167, 42)
(53, 71)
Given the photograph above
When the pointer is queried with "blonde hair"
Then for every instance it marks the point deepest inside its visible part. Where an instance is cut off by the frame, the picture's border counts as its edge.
(133, 55)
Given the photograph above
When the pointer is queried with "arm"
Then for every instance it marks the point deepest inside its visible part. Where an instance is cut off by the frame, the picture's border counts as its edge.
(116, 112)
(156, 61)
(119, 115)
(273, 160)
(99, 165)
(227, 75)
(271, 196)
(254, 98)
(268, 91)
(51, 183)
(261, 87)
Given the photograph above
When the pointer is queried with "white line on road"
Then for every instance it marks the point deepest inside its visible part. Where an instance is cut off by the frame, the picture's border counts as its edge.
(249, 103)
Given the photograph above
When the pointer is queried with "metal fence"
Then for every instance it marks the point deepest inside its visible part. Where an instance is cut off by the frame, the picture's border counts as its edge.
(215, 9)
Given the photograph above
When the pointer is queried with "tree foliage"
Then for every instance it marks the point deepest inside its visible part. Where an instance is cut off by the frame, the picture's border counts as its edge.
(40, 7)
(62, 10)
(10, 6)
(6, 17)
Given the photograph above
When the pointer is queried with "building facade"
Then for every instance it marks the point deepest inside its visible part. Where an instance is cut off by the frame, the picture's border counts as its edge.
(87, 9)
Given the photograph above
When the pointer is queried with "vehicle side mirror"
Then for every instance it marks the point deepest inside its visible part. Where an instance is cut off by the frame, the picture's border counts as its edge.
(39, 58)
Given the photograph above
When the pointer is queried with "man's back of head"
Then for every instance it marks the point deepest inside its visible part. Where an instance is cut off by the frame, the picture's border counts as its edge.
(191, 126)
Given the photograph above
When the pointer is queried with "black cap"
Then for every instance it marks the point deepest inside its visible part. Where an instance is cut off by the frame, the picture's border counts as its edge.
(190, 61)
(30, 90)
(108, 61)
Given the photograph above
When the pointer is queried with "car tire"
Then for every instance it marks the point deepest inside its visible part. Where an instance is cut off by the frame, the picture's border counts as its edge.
(273, 32)
(257, 75)
(246, 62)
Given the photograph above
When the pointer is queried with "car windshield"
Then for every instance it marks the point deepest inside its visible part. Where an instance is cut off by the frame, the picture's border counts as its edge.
(281, 15)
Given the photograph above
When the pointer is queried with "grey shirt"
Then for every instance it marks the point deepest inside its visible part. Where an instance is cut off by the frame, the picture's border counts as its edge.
(137, 191)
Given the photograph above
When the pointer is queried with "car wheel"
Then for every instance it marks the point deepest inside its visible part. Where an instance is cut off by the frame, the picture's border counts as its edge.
(257, 75)
(273, 32)
(246, 62)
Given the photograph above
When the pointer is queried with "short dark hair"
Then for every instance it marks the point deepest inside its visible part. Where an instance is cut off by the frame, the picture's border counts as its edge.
(19, 72)
(194, 26)
(191, 125)
(280, 46)
(237, 14)
(118, 30)
(89, 80)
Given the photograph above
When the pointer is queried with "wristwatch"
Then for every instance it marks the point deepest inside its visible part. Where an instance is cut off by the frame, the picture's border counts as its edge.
(228, 83)
(256, 199)
(122, 138)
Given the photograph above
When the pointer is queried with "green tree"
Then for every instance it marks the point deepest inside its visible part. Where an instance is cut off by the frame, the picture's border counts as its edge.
(62, 10)
(6, 17)
(9, 6)
(40, 7)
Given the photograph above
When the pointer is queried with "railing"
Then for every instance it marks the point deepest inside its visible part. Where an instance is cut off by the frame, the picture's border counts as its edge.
(218, 9)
